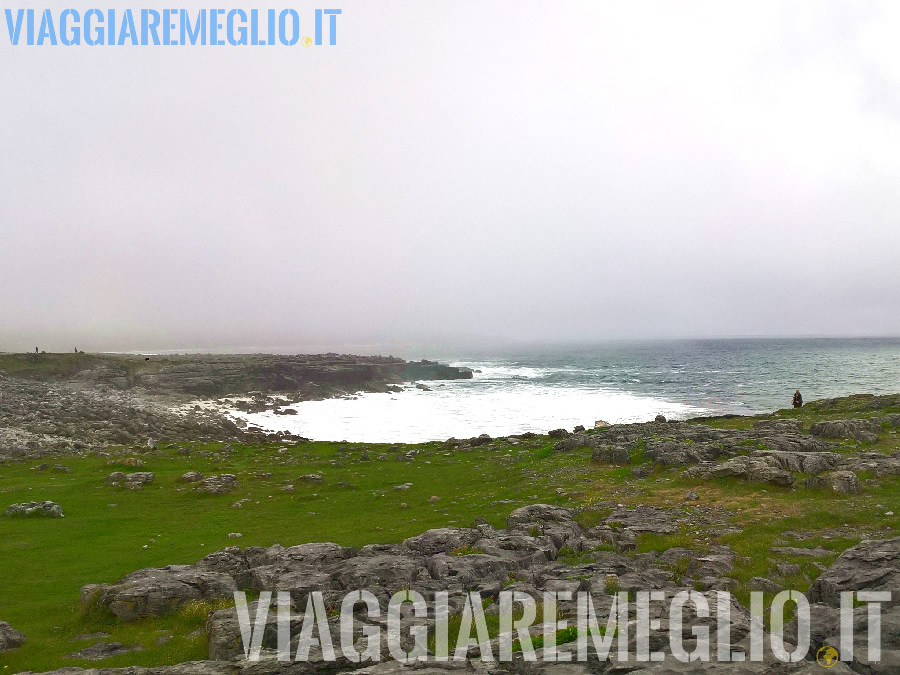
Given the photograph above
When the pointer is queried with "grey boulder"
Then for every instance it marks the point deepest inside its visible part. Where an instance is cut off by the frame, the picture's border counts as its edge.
(10, 638)
(46, 509)
(218, 485)
(762, 469)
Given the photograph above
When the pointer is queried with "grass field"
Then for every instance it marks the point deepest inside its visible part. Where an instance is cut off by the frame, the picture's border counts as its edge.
(110, 531)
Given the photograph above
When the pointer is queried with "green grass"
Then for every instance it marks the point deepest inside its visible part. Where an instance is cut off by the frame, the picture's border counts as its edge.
(592, 516)
(106, 529)
(111, 531)
(563, 636)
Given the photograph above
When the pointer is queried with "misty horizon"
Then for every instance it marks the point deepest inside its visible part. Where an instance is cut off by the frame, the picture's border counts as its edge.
(557, 174)
(462, 350)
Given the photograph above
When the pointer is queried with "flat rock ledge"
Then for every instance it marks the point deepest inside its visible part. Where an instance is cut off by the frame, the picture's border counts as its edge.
(773, 451)
(543, 548)
(103, 650)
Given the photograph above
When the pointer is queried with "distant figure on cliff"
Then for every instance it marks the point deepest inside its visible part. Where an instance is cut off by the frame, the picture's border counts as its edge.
(798, 399)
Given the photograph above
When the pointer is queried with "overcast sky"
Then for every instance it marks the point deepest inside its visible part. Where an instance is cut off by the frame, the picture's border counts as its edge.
(456, 172)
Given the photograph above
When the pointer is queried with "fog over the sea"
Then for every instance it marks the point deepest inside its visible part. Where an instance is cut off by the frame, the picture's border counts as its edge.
(458, 172)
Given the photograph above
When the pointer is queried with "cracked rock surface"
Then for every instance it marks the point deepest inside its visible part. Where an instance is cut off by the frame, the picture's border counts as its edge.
(543, 548)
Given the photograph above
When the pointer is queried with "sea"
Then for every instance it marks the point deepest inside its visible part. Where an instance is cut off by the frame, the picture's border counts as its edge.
(539, 388)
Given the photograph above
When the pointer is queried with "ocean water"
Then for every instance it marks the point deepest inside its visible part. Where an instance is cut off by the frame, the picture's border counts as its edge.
(543, 388)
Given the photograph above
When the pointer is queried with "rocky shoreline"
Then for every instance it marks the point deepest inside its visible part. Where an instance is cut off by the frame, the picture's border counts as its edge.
(832, 452)
(54, 404)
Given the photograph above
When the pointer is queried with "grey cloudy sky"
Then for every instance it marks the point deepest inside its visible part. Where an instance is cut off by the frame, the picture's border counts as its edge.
(459, 171)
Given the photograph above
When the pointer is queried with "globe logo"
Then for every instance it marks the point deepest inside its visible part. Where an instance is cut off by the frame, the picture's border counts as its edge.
(827, 656)
(306, 41)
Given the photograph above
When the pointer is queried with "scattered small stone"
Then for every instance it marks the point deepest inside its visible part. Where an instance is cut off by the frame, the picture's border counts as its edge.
(218, 485)
(434, 498)
(35, 509)
(311, 478)
(192, 477)
(690, 494)
(404, 486)
(104, 650)
(133, 481)
(235, 535)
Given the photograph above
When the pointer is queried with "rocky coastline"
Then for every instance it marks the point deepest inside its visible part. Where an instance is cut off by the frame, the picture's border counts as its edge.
(69, 403)
(640, 507)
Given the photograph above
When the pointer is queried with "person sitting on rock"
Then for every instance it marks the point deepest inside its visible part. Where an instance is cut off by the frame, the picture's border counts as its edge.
(798, 399)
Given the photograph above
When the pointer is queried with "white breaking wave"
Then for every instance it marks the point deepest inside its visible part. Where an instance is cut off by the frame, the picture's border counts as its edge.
(463, 409)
